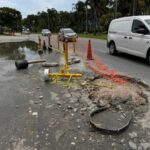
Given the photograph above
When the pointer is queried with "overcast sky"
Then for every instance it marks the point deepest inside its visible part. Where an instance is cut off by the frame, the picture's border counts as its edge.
(33, 6)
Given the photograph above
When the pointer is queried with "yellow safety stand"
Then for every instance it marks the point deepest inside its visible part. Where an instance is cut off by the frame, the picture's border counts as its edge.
(64, 71)
(40, 50)
(39, 42)
(74, 46)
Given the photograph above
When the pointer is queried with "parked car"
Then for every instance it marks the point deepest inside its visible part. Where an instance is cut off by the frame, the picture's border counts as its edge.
(45, 32)
(67, 34)
(130, 35)
(26, 31)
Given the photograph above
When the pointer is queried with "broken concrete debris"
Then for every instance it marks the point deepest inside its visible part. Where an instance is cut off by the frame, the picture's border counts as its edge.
(40, 97)
(35, 114)
(133, 135)
(73, 61)
(73, 143)
(106, 93)
(132, 145)
(115, 103)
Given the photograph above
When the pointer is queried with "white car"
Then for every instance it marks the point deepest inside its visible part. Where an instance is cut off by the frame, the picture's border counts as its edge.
(130, 35)
(45, 32)
(26, 31)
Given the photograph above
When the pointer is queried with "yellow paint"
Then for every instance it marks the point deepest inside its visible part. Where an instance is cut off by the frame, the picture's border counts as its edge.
(66, 67)
(56, 76)
(65, 75)
(74, 47)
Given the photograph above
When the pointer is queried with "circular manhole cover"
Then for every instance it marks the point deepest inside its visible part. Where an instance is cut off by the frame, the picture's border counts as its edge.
(110, 120)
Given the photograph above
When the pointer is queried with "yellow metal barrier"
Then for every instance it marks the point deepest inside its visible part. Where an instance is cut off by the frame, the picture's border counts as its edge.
(64, 71)
(74, 47)
(65, 74)
(66, 55)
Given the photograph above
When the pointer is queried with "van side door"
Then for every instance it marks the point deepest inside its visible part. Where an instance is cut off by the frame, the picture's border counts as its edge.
(138, 41)
(123, 29)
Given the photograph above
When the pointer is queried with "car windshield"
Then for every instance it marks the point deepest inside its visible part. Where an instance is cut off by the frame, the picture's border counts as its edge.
(68, 31)
(148, 22)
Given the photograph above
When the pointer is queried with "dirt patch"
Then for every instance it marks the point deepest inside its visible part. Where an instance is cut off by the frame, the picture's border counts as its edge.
(106, 93)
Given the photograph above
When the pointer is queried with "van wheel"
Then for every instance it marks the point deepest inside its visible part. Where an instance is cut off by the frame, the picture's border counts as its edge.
(112, 48)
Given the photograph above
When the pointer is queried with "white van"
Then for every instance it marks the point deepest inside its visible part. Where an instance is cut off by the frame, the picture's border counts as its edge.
(130, 35)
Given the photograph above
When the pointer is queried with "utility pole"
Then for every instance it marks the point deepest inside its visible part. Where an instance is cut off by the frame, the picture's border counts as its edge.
(116, 7)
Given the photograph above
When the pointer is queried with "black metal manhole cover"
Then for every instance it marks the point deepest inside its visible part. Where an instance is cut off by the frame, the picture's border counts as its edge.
(110, 120)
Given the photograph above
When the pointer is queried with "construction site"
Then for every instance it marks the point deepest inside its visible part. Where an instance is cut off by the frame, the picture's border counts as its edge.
(61, 96)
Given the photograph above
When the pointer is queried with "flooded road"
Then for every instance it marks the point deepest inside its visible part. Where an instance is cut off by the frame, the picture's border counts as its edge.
(12, 51)
(19, 50)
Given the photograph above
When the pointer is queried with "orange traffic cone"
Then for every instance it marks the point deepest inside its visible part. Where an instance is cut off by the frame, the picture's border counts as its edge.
(89, 51)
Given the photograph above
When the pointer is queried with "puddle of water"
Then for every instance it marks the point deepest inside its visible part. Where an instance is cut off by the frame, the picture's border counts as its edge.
(19, 50)
(9, 52)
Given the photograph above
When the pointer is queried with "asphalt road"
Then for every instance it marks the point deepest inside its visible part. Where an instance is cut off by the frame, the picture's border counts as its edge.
(123, 63)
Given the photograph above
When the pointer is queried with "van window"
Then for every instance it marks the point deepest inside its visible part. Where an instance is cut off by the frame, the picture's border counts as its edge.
(136, 25)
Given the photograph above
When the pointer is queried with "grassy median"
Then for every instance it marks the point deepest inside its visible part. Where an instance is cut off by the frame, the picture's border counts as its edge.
(99, 36)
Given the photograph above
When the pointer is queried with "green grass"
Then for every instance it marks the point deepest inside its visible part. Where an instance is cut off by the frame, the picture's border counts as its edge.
(100, 36)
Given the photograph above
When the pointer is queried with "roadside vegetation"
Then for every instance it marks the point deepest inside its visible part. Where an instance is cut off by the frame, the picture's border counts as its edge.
(10, 20)
(97, 36)
(91, 16)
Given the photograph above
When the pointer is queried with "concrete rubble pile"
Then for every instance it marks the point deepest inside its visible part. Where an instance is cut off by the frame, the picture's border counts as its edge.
(107, 93)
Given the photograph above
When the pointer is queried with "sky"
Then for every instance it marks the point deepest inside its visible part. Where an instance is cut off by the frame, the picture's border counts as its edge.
(33, 6)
